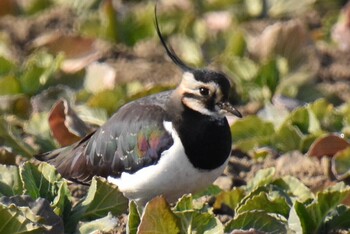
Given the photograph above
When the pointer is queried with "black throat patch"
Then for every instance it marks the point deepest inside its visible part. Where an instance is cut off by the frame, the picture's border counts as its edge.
(206, 140)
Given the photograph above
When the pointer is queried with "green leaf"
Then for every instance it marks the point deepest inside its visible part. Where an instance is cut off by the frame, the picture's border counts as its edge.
(338, 219)
(11, 137)
(133, 218)
(139, 20)
(270, 203)
(102, 197)
(62, 202)
(22, 214)
(287, 138)
(17, 104)
(341, 164)
(229, 198)
(9, 86)
(305, 120)
(251, 132)
(211, 190)
(40, 67)
(310, 217)
(110, 100)
(259, 221)
(108, 20)
(269, 76)
(10, 182)
(106, 224)
(295, 188)
(158, 218)
(38, 126)
(236, 44)
(196, 222)
(44, 181)
(321, 108)
(262, 177)
(5, 66)
(14, 221)
(243, 69)
(184, 203)
(40, 180)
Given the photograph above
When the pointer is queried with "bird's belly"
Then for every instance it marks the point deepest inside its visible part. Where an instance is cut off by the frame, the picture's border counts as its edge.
(172, 176)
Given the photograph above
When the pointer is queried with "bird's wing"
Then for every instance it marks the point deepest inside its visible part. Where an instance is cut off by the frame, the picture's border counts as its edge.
(134, 137)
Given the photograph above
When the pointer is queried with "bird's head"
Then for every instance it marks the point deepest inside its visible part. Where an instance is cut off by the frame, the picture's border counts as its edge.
(204, 91)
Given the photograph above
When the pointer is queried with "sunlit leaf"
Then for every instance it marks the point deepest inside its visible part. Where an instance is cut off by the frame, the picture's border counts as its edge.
(158, 218)
(110, 100)
(38, 69)
(9, 85)
(11, 138)
(44, 181)
(106, 224)
(34, 6)
(309, 218)
(260, 221)
(341, 164)
(229, 198)
(295, 188)
(287, 138)
(184, 203)
(38, 126)
(267, 203)
(269, 76)
(251, 132)
(5, 64)
(23, 214)
(211, 190)
(102, 198)
(196, 222)
(10, 182)
(99, 77)
(262, 177)
(133, 218)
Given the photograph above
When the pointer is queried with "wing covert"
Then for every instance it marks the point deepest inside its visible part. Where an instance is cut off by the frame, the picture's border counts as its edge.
(132, 138)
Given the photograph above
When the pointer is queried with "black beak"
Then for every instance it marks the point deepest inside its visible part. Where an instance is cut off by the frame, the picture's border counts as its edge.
(227, 107)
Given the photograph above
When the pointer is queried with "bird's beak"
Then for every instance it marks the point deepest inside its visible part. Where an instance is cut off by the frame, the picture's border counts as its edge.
(228, 108)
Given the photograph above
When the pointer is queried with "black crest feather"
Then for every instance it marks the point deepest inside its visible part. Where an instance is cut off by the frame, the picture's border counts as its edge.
(171, 53)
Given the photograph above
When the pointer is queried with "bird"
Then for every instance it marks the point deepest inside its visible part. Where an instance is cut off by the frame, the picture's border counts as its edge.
(171, 143)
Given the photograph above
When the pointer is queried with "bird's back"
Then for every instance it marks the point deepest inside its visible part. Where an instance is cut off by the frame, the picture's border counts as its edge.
(134, 137)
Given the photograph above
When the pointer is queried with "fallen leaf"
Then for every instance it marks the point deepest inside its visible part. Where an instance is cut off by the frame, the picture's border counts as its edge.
(65, 124)
(78, 51)
(328, 145)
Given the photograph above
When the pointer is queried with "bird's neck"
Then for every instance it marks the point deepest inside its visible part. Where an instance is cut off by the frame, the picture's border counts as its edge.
(206, 140)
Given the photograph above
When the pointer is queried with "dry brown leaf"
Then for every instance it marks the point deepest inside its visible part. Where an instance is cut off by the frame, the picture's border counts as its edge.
(328, 146)
(79, 51)
(65, 124)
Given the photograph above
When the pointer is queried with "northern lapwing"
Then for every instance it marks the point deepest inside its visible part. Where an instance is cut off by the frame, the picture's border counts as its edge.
(171, 143)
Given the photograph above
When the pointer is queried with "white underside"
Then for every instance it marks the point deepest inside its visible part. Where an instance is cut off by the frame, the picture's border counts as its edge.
(172, 176)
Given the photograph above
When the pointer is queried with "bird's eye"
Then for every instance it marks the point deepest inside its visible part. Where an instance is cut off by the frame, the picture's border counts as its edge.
(204, 91)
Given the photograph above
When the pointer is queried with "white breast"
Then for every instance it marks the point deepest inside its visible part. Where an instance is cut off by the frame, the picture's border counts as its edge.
(172, 176)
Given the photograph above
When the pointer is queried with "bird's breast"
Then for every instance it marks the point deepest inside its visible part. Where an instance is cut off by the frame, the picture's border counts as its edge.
(173, 175)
